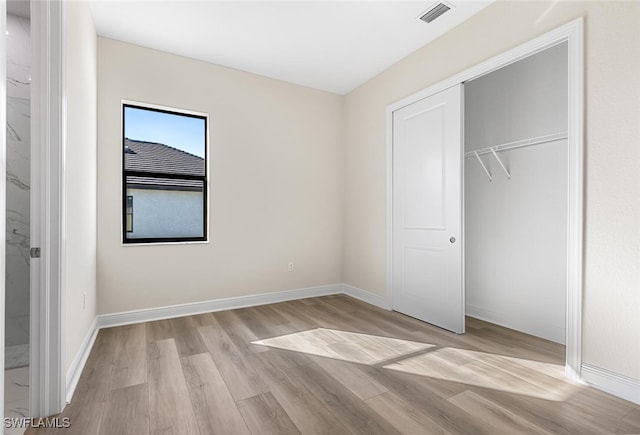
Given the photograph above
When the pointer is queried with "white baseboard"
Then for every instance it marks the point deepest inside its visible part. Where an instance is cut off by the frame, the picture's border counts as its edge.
(168, 312)
(573, 375)
(77, 365)
(365, 296)
(612, 383)
(546, 331)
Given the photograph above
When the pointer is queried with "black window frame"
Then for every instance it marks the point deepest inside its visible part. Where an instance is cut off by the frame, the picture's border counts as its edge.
(128, 173)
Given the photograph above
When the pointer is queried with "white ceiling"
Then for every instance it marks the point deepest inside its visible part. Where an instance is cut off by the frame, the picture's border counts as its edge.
(329, 45)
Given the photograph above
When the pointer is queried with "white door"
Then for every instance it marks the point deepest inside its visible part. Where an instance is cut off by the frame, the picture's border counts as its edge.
(427, 210)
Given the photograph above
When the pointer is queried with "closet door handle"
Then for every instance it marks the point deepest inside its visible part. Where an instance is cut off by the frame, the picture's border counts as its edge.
(452, 239)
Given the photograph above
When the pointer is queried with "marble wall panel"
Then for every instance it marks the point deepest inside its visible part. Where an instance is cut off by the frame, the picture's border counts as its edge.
(18, 180)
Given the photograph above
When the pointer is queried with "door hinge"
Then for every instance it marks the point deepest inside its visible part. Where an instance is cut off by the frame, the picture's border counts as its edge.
(34, 252)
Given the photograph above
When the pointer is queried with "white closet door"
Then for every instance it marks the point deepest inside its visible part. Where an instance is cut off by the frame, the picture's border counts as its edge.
(427, 210)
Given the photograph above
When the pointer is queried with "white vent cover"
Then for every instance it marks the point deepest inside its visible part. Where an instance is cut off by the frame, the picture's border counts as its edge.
(434, 12)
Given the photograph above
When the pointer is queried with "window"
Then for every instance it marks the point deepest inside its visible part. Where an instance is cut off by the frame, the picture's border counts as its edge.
(165, 172)
(129, 214)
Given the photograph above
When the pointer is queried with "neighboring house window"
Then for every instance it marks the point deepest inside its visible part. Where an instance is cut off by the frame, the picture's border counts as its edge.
(129, 214)
(165, 169)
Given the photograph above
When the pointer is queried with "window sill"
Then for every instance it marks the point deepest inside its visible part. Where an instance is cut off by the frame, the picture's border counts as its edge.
(196, 242)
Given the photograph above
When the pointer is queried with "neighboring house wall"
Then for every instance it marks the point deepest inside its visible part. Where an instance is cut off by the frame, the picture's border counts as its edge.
(166, 213)
(611, 334)
(80, 176)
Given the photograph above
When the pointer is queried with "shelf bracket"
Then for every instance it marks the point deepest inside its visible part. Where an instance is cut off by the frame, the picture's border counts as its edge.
(486, 171)
(493, 151)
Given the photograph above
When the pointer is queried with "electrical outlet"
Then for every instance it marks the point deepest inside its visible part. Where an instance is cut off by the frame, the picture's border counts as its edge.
(291, 268)
(84, 300)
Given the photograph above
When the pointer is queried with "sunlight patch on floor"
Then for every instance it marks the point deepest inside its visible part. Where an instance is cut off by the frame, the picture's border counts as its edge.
(486, 370)
(346, 346)
(497, 372)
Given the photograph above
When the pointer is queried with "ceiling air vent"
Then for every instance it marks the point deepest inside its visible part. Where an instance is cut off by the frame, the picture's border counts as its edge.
(434, 12)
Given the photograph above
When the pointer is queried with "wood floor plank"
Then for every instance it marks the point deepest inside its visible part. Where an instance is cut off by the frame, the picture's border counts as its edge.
(590, 398)
(346, 406)
(186, 336)
(343, 303)
(238, 332)
(554, 417)
(314, 310)
(89, 401)
(130, 361)
(339, 319)
(269, 316)
(253, 321)
(264, 322)
(158, 330)
(170, 409)
(98, 369)
(430, 396)
(523, 345)
(633, 418)
(378, 321)
(502, 419)
(204, 319)
(519, 340)
(351, 376)
(308, 413)
(295, 317)
(403, 416)
(265, 416)
(446, 364)
(240, 379)
(213, 405)
(127, 411)
(281, 360)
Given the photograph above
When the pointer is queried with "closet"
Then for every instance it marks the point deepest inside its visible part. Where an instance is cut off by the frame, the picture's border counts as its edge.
(515, 195)
(479, 207)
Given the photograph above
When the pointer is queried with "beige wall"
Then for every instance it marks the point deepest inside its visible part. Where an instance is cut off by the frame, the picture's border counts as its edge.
(80, 175)
(275, 184)
(611, 337)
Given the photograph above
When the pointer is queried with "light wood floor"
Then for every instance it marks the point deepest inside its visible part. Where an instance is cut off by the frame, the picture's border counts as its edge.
(331, 365)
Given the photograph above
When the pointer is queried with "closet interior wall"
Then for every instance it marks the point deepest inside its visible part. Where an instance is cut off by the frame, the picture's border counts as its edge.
(516, 228)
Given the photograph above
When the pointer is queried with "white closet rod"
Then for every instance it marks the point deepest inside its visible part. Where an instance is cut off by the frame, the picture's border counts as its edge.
(510, 146)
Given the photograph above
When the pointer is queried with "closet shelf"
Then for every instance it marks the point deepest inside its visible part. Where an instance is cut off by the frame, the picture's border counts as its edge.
(510, 146)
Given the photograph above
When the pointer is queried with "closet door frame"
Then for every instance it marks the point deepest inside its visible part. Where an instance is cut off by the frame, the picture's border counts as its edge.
(573, 34)
(48, 120)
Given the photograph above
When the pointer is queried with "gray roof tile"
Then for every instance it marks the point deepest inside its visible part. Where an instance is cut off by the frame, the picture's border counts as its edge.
(156, 157)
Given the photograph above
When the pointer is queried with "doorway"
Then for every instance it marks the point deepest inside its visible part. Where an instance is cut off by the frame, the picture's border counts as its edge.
(18, 212)
(495, 159)
(44, 130)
